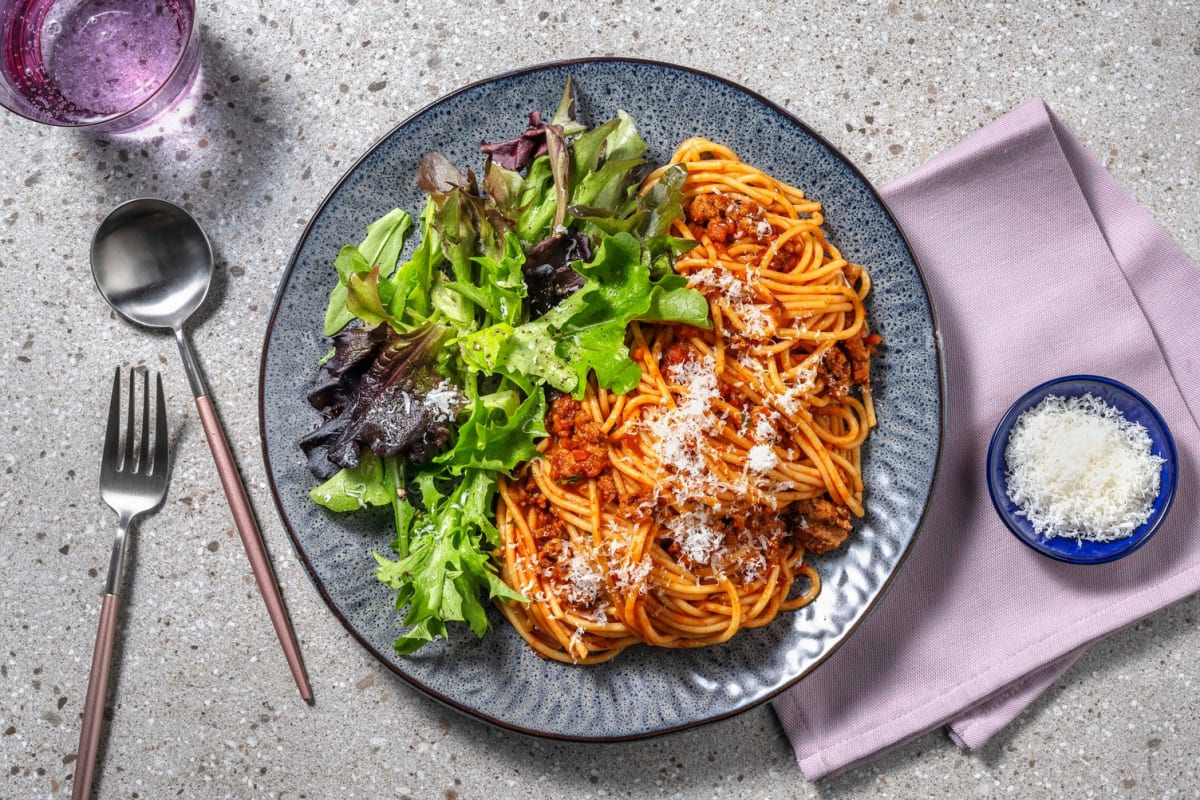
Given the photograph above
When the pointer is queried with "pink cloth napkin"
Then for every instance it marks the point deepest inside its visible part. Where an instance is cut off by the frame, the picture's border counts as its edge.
(1039, 265)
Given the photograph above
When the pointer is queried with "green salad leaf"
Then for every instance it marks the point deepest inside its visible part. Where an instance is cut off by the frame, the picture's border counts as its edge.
(356, 487)
(379, 250)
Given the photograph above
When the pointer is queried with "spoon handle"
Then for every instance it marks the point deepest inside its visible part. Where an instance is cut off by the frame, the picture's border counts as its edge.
(247, 527)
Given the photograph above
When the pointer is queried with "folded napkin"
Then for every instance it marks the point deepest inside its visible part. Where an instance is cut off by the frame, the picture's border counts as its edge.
(1038, 265)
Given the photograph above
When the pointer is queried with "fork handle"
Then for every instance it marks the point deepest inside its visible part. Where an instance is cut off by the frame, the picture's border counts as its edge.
(256, 550)
(97, 692)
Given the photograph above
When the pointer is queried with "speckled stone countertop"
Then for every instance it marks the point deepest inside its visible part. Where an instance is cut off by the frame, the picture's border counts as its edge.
(290, 95)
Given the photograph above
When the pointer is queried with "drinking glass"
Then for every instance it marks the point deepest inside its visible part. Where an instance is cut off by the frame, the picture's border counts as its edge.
(101, 65)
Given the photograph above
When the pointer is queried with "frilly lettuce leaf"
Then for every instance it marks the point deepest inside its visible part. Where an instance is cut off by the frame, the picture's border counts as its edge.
(443, 570)
(500, 432)
(651, 215)
(498, 288)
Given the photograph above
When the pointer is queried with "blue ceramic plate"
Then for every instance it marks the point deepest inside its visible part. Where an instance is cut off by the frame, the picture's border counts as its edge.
(644, 691)
(1136, 409)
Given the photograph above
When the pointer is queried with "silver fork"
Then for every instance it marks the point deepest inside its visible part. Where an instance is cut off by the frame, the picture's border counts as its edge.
(130, 486)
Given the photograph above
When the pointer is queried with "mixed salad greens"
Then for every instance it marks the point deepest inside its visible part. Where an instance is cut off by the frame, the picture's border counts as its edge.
(438, 379)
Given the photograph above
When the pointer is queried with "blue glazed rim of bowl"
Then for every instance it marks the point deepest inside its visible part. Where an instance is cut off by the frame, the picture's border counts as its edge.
(1134, 407)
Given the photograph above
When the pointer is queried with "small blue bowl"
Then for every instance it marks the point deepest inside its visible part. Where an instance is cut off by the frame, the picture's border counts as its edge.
(1136, 409)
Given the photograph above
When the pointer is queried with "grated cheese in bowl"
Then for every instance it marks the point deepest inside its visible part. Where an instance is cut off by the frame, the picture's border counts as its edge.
(1077, 468)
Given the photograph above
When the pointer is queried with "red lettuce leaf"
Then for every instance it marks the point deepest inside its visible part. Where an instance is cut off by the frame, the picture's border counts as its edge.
(381, 391)
(520, 151)
(549, 277)
(438, 177)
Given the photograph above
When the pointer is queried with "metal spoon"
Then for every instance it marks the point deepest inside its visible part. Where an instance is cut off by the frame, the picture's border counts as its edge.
(153, 264)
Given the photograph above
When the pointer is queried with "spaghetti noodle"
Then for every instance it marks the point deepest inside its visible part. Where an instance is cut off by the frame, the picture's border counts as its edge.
(681, 512)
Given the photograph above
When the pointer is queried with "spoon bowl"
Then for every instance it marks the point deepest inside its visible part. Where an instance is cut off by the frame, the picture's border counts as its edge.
(152, 262)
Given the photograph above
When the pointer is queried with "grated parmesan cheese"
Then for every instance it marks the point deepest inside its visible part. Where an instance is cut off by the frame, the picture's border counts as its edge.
(682, 432)
(683, 441)
(758, 324)
(1077, 468)
(696, 533)
(764, 429)
(632, 576)
(625, 576)
(583, 581)
(761, 458)
(444, 399)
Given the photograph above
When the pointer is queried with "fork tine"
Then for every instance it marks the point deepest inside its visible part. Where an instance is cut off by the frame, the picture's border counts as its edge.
(161, 449)
(112, 434)
(127, 464)
(143, 464)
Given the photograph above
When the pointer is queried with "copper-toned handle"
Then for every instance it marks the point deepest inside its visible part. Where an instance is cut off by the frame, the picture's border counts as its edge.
(247, 527)
(93, 707)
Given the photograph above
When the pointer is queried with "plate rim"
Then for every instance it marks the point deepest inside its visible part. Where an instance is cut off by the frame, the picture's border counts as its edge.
(939, 363)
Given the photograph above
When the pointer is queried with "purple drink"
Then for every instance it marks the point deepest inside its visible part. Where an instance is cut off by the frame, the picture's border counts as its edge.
(109, 63)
